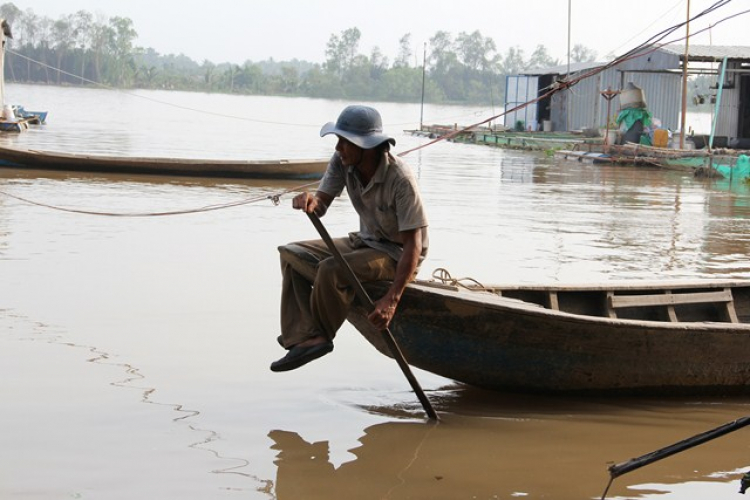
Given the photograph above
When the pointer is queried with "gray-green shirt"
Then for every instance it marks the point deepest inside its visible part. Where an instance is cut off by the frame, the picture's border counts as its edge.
(389, 204)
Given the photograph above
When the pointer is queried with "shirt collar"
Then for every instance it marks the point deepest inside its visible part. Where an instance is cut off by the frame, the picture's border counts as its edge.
(380, 172)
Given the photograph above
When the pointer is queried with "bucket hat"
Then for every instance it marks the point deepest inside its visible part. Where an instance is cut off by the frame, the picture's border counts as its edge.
(360, 125)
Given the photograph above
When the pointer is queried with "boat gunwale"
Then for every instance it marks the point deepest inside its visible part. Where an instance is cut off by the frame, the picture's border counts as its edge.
(489, 299)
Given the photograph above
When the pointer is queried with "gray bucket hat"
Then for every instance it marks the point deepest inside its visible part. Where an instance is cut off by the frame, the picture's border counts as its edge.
(360, 125)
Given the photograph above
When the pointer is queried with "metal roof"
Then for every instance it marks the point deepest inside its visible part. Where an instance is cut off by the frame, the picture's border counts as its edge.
(696, 53)
(710, 53)
(561, 69)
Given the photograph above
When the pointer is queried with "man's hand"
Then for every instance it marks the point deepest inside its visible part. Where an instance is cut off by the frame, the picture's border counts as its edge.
(306, 202)
(310, 203)
(385, 308)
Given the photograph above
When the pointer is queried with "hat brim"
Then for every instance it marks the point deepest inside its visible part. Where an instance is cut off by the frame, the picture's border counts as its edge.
(368, 141)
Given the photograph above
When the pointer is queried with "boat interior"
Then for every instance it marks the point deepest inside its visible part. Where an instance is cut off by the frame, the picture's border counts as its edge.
(693, 304)
(712, 301)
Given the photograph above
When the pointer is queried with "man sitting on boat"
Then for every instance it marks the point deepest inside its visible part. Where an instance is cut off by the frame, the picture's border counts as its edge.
(390, 245)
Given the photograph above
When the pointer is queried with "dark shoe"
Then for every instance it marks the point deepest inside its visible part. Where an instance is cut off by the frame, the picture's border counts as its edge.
(298, 356)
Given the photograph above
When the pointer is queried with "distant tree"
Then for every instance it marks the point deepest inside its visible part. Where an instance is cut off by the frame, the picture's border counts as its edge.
(63, 39)
(378, 64)
(289, 80)
(403, 60)
(209, 73)
(121, 35)
(475, 51)
(44, 28)
(341, 51)
(441, 53)
(10, 13)
(513, 62)
(401, 85)
(82, 21)
(541, 58)
(580, 53)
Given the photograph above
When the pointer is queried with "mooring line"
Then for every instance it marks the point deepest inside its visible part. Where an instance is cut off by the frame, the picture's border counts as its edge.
(274, 198)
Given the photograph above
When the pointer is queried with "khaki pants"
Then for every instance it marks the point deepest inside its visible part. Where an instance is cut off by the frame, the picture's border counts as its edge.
(310, 309)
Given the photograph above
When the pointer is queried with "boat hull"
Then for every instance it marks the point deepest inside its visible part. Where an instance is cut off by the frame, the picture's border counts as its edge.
(271, 169)
(506, 344)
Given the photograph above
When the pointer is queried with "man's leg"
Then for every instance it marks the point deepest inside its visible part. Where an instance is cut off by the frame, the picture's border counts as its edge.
(311, 317)
(297, 322)
(333, 294)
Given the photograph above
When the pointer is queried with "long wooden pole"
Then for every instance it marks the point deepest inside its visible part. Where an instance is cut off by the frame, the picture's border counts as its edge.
(683, 118)
(636, 463)
(365, 298)
(424, 65)
(568, 94)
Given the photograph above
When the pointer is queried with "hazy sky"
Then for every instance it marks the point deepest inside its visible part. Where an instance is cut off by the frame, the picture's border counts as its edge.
(241, 30)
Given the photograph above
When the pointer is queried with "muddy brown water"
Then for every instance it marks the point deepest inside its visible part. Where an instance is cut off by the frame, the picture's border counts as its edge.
(134, 352)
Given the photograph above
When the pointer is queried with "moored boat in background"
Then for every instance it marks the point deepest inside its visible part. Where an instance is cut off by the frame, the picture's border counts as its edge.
(52, 160)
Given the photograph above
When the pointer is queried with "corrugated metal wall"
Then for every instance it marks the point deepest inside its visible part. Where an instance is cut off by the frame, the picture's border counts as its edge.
(589, 107)
(729, 110)
(520, 89)
(729, 113)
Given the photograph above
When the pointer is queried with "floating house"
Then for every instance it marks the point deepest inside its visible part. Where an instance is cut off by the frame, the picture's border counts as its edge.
(657, 71)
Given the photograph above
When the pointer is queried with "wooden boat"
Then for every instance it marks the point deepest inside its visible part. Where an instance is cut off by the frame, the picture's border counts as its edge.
(34, 117)
(16, 126)
(671, 338)
(50, 160)
(17, 119)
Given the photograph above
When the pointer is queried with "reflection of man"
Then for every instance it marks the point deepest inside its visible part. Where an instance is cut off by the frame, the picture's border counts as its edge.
(390, 244)
(303, 468)
(388, 451)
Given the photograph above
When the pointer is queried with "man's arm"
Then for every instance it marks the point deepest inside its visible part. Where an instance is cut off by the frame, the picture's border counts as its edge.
(385, 307)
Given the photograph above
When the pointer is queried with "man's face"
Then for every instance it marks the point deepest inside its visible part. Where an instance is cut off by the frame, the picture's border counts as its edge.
(351, 154)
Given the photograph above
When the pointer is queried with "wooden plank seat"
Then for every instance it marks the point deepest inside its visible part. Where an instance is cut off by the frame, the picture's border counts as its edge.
(723, 298)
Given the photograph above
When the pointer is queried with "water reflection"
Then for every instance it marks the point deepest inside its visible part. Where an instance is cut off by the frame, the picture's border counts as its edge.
(494, 445)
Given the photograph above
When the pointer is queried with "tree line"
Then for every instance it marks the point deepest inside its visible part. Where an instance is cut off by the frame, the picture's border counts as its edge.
(86, 49)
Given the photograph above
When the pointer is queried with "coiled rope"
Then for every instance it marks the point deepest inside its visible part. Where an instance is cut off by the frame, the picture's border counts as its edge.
(443, 276)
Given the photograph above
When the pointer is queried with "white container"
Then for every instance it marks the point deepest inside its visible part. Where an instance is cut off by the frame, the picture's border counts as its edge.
(547, 125)
(8, 114)
(632, 96)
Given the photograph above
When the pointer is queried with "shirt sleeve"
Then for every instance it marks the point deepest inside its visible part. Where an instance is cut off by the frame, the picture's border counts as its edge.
(334, 178)
(409, 208)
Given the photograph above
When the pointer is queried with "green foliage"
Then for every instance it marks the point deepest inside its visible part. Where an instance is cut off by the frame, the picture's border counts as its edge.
(83, 49)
